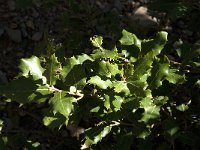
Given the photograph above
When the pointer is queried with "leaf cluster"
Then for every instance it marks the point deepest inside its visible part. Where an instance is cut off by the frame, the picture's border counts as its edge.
(128, 94)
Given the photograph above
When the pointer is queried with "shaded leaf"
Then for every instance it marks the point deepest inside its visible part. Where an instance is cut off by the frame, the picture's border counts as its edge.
(71, 62)
(54, 121)
(171, 128)
(24, 90)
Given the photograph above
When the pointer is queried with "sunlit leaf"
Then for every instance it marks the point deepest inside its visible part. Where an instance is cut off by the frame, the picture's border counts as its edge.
(121, 86)
(96, 134)
(32, 66)
(151, 111)
(173, 77)
(62, 104)
(158, 73)
(130, 39)
(97, 41)
(107, 69)
(53, 69)
(117, 103)
(96, 80)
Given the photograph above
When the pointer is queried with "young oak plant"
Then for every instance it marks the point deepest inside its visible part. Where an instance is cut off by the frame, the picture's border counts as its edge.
(113, 86)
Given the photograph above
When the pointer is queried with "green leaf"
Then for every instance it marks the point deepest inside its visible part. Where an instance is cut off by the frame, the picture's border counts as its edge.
(97, 41)
(31, 66)
(151, 111)
(182, 107)
(121, 86)
(25, 90)
(145, 63)
(130, 39)
(71, 62)
(158, 73)
(173, 77)
(76, 77)
(106, 54)
(107, 101)
(107, 69)
(73, 72)
(137, 88)
(62, 104)
(128, 70)
(96, 80)
(117, 103)
(54, 121)
(53, 68)
(96, 134)
(198, 83)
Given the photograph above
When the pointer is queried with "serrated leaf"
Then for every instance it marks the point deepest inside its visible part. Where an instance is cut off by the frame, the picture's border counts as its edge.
(151, 111)
(145, 63)
(62, 104)
(137, 88)
(24, 90)
(71, 62)
(97, 81)
(121, 86)
(130, 39)
(173, 77)
(97, 41)
(76, 77)
(96, 134)
(158, 73)
(32, 66)
(53, 68)
(73, 72)
(107, 54)
(107, 69)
